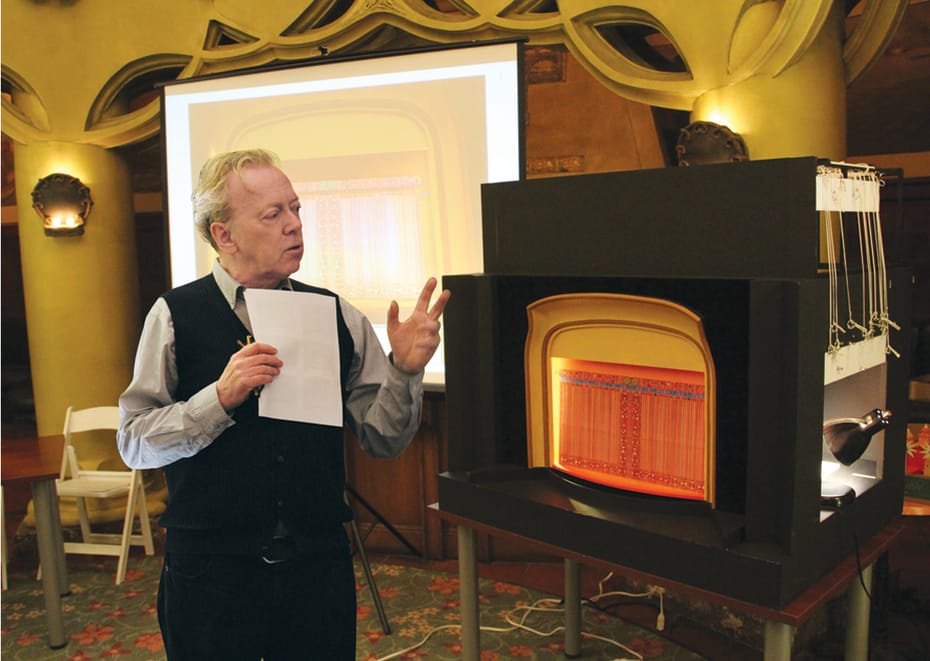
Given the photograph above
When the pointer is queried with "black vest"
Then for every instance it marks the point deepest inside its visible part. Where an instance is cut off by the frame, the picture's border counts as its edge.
(229, 496)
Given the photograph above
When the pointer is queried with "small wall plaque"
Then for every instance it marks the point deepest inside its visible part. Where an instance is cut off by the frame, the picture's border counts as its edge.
(545, 65)
(555, 164)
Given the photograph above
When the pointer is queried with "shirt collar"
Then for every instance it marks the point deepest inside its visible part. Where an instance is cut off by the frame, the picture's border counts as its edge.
(230, 288)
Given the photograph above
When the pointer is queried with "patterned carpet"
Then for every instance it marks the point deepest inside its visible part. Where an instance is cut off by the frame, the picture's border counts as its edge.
(109, 621)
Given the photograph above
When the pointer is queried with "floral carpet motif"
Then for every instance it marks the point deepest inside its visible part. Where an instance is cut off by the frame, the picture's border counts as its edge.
(104, 620)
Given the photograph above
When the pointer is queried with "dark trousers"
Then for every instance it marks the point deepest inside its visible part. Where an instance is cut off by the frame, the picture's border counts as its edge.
(239, 607)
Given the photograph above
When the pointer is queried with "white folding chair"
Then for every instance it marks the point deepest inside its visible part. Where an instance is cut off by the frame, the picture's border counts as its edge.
(81, 484)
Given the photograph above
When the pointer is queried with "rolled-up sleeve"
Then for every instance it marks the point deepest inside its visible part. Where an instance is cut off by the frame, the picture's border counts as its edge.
(155, 430)
(384, 404)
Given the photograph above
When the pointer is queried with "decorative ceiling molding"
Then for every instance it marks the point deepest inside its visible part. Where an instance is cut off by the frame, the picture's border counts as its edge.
(220, 35)
(298, 30)
(871, 37)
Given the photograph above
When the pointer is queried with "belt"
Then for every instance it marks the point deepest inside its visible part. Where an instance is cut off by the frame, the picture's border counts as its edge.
(281, 549)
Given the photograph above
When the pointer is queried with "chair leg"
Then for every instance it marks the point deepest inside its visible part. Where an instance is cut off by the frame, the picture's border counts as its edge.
(126, 538)
(86, 530)
(144, 521)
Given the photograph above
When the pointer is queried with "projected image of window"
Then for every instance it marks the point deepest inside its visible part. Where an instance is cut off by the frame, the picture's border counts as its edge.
(363, 236)
(388, 155)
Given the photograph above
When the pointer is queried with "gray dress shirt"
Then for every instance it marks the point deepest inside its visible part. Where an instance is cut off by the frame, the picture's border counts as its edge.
(383, 404)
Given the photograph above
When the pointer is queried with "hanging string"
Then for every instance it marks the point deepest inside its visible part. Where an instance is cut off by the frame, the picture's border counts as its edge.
(850, 188)
(835, 196)
(836, 329)
(866, 259)
(879, 320)
(826, 221)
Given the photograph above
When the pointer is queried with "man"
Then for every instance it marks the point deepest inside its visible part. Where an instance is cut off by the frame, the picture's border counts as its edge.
(257, 563)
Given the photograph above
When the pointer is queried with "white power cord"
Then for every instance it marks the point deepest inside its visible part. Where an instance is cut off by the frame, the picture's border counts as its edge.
(651, 591)
(394, 655)
(551, 606)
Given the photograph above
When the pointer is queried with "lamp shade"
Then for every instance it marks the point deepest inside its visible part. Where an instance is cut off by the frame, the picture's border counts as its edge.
(848, 438)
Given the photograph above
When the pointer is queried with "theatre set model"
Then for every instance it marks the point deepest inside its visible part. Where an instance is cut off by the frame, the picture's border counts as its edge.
(647, 370)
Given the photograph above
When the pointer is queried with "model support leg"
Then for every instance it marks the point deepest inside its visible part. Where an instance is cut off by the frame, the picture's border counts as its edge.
(572, 609)
(468, 595)
(778, 639)
(857, 623)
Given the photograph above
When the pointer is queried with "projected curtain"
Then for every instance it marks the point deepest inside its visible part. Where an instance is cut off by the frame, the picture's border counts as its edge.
(363, 236)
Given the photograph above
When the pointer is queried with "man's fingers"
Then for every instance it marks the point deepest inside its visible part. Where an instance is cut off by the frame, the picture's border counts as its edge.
(425, 295)
(393, 314)
(440, 305)
(257, 361)
(256, 348)
(434, 312)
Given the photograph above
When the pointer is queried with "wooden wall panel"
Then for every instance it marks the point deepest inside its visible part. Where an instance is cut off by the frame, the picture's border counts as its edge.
(574, 124)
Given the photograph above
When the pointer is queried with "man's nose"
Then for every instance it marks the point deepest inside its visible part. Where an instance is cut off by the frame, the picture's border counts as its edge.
(294, 223)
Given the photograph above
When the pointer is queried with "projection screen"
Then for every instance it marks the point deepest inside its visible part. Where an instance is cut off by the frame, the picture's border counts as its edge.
(387, 152)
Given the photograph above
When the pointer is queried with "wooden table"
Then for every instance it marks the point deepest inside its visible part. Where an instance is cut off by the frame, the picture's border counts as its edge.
(780, 624)
(38, 461)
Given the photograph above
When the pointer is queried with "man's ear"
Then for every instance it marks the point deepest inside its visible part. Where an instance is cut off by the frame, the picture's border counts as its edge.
(222, 237)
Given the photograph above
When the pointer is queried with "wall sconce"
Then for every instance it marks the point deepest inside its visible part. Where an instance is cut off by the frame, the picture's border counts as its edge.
(707, 142)
(63, 203)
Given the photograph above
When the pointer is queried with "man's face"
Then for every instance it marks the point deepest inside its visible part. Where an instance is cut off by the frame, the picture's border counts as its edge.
(262, 243)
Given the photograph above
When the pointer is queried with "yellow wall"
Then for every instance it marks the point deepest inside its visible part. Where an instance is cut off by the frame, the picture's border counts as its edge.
(81, 291)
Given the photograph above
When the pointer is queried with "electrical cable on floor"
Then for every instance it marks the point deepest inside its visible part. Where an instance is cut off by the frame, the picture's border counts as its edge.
(549, 605)
(398, 653)
(604, 639)
(553, 608)
(651, 591)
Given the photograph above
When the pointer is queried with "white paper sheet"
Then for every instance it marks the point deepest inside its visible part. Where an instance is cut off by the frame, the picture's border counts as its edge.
(302, 326)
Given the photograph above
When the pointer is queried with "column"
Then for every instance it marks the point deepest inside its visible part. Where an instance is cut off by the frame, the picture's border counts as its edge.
(81, 292)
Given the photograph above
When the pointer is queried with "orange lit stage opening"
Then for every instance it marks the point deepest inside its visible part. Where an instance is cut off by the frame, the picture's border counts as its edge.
(631, 427)
(621, 393)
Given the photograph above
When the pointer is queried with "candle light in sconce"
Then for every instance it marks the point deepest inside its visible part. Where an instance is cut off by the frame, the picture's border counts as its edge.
(63, 202)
